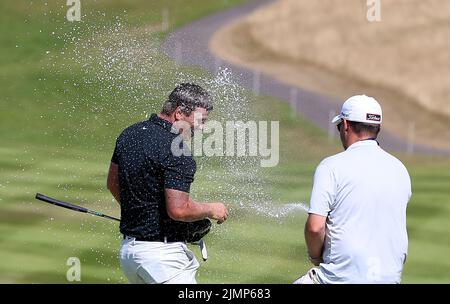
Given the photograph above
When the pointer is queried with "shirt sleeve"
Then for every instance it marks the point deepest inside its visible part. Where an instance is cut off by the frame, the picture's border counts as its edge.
(323, 192)
(179, 172)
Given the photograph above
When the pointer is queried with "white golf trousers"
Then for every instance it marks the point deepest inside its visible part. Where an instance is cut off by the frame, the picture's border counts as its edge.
(158, 262)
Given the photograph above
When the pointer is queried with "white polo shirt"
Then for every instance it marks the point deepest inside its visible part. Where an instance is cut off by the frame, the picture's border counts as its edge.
(364, 192)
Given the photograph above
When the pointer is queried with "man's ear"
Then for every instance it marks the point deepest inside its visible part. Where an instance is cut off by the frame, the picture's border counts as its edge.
(178, 113)
(345, 125)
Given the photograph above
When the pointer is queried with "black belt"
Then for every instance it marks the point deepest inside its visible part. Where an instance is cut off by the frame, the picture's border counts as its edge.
(164, 239)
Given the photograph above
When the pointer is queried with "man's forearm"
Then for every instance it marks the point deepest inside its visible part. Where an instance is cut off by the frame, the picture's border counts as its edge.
(195, 211)
(112, 182)
(199, 210)
(182, 207)
(115, 191)
(314, 242)
(315, 237)
(114, 188)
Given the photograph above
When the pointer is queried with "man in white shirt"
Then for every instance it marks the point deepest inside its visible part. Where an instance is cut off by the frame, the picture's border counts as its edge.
(356, 228)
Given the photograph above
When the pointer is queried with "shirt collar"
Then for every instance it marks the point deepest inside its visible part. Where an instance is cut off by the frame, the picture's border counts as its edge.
(364, 143)
(167, 125)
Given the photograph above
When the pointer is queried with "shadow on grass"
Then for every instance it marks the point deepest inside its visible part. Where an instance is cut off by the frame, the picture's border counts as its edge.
(20, 218)
(43, 277)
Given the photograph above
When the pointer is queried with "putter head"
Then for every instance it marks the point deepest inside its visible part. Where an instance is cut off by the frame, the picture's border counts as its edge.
(203, 250)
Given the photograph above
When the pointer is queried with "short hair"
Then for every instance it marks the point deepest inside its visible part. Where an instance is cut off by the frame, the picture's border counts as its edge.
(365, 128)
(188, 96)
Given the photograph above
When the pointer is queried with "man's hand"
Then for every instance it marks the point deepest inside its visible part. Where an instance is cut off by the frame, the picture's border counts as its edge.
(218, 212)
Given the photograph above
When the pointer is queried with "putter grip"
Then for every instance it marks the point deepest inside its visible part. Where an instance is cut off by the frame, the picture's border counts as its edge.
(56, 202)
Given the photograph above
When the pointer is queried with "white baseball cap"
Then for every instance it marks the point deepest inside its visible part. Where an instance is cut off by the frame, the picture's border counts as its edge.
(360, 108)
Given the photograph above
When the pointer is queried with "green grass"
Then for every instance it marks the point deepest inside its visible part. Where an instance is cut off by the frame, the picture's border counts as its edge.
(57, 132)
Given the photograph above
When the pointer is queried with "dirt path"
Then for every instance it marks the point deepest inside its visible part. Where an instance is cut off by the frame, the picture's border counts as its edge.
(249, 61)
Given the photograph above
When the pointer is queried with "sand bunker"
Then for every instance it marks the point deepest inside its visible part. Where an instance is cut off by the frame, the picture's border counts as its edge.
(329, 46)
